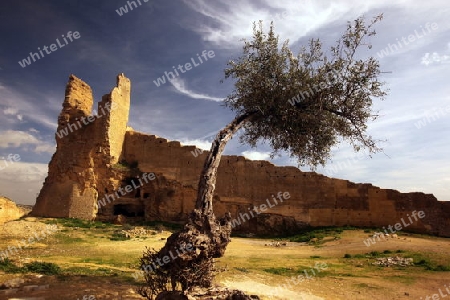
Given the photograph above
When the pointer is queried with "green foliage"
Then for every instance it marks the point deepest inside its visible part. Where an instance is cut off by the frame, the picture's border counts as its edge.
(280, 271)
(271, 84)
(42, 268)
(72, 222)
(346, 255)
(375, 254)
(127, 227)
(117, 236)
(318, 233)
(8, 266)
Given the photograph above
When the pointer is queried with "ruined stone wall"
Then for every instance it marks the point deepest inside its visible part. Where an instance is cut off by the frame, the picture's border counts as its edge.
(87, 145)
(316, 200)
(84, 169)
(9, 210)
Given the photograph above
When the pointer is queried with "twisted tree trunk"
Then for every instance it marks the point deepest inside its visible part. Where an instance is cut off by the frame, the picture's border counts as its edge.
(205, 237)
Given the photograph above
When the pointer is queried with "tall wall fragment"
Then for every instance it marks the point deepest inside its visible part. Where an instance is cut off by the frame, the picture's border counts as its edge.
(86, 148)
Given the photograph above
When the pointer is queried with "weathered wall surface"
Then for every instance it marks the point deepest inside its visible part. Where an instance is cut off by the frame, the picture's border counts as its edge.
(84, 170)
(86, 148)
(9, 211)
(315, 199)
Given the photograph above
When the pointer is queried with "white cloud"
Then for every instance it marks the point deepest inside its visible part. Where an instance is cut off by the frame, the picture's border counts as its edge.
(202, 144)
(431, 58)
(229, 22)
(255, 155)
(15, 102)
(22, 181)
(10, 111)
(181, 87)
(12, 138)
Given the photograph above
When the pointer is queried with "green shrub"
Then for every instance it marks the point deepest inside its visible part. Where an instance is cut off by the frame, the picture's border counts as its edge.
(375, 254)
(42, 268)
(117, 236)
(127, 227)
(8, 266)
(346, 255)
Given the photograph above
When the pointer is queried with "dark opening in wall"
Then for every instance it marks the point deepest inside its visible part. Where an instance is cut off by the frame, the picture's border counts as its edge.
(128, 210)
(146, 195)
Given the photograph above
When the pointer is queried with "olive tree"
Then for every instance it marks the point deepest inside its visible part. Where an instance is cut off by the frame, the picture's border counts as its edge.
(301, 104)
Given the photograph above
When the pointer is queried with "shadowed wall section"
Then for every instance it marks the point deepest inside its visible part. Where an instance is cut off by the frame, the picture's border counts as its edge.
(99, 157)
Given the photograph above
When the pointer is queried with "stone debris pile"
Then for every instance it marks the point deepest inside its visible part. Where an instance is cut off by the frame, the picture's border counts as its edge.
(393, 261)
(137, 232)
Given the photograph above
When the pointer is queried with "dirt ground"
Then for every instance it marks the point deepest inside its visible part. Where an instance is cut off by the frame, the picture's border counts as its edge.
(243, 267)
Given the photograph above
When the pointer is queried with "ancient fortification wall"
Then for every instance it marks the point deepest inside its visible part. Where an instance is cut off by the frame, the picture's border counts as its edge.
(85, 169)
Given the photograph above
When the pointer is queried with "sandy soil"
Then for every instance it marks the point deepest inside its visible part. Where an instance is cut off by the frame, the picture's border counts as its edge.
(358, 282)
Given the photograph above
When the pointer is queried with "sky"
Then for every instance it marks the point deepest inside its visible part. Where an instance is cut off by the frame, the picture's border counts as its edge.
(96, 40)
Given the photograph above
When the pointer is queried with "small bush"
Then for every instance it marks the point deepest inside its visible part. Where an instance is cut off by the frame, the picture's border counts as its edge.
(315, 256)
(8, 266)
(346, 255)
(374, 253)
(42, 268)
(117, 236)
(387, 252)
(127, 227)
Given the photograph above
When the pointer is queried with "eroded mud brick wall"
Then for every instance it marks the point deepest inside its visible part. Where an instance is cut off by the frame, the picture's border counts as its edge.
(87, 145)
(82, 170)
(315, 200)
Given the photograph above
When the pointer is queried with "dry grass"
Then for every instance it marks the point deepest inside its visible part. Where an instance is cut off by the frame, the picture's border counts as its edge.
(253, 267)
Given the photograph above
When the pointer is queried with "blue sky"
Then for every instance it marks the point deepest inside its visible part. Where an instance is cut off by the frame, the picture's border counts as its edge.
(147, 41)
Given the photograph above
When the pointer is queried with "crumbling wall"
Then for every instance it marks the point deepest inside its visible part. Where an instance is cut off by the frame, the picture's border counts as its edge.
(9, 210)
(315, 200)
(87, 145)
(84, 169)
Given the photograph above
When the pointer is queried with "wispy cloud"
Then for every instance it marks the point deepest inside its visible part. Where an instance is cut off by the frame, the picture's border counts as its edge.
(180, 85)
(202, 144)
(22, 181)
(431, 58)
(12, 138)
(256, 155)
(16, 104)
(229, 22)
